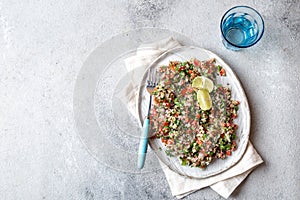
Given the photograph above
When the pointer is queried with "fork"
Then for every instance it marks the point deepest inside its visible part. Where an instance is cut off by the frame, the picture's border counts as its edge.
(151, 84)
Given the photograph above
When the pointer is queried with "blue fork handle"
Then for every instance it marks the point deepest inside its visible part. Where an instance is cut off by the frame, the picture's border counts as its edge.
(143, 144)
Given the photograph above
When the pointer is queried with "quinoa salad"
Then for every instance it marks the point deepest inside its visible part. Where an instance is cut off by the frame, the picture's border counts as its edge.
(194, 135)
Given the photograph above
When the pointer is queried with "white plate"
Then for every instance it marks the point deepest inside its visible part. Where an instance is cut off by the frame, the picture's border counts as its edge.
(243, 120)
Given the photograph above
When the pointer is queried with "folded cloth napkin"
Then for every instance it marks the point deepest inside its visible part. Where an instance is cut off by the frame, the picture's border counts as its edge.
(137, 65)
(224, 183)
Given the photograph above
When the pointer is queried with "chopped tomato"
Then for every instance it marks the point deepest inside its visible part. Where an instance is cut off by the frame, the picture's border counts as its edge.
(193, 75)
(199, 141)
(167, 104)
(163, 140)
(166, 124)
(183, 92)
(222, 72)
(234, 145)
(228, 153)
(181, 68)
(198, 116)
(197, 62)
(172, 67)
(170, 141)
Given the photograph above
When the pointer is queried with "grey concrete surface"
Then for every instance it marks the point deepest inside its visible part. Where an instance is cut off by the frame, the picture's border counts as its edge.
(43, 45)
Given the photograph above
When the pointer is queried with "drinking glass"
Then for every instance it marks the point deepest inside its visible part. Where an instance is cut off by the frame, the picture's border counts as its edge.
(241, 27)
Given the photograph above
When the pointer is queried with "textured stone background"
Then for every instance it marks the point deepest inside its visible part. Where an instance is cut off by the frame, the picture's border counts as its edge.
(43, 44)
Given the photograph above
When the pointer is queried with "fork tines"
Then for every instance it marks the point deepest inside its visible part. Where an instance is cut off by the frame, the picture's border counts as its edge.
(152, 78)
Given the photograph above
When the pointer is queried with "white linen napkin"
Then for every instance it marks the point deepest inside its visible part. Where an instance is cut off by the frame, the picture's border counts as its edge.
(224, 183)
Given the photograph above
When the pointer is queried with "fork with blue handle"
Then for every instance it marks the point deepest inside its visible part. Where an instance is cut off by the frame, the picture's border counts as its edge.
(151, 84)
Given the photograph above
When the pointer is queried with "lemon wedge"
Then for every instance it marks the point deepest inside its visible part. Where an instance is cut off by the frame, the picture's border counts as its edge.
(197, 82)
(202, 82)
(204, 99)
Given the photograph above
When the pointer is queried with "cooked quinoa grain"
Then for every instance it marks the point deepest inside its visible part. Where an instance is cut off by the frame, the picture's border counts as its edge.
(193, 135)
